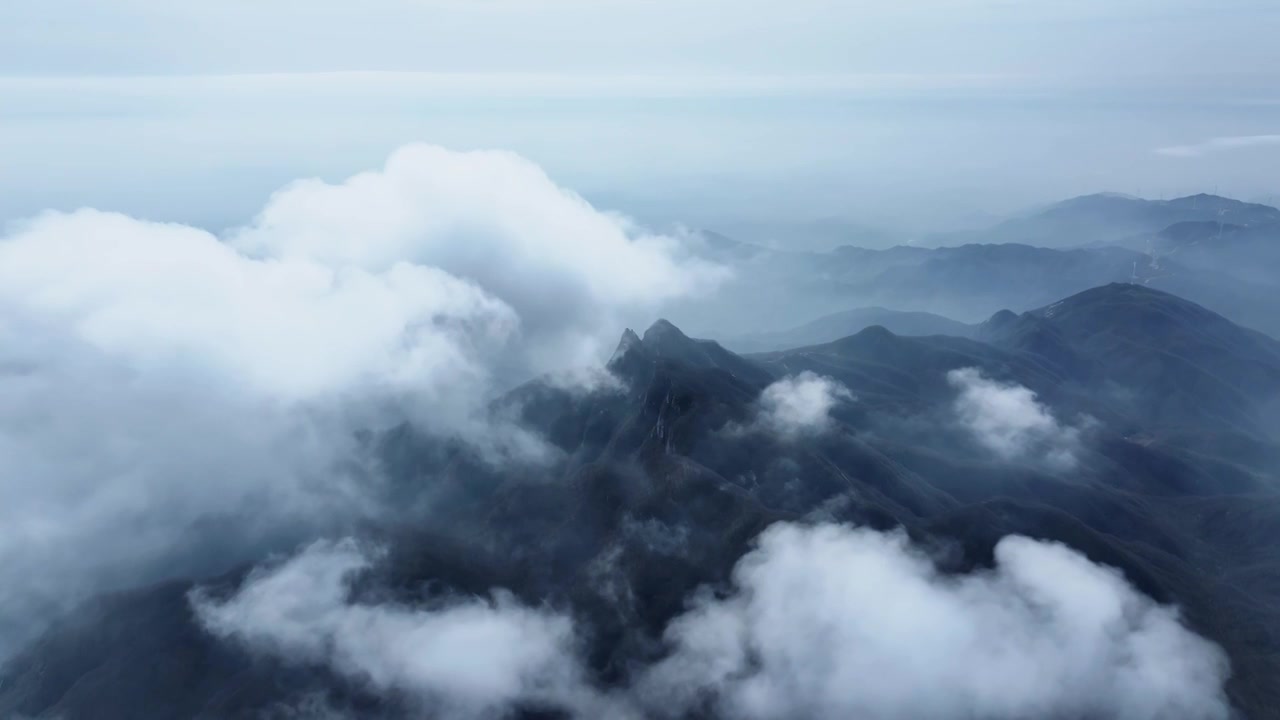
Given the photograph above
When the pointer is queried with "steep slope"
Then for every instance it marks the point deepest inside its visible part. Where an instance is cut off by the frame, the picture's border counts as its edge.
(1185, 366)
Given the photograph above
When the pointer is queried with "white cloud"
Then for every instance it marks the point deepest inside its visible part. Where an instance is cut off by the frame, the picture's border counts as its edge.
(830, 621)
(158, 296)
(163, 389)
(821, 621)
(800, 404)
(475, 658)
(410, 275)
(489, 216)
(1008, 420)
(1219, 144)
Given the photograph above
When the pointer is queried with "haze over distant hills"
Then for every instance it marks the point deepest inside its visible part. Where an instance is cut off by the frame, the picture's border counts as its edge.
(1224, 262)
(1106, 218)
(849, 322)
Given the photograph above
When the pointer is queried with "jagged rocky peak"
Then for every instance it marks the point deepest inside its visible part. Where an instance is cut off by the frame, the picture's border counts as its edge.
(626, 343)
(665, 340)
(662, 339)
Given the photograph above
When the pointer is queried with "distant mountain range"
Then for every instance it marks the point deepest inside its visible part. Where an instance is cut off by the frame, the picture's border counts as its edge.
(1107, 218)
(850, 322)
(661, 485)
(1247, 252)
(1221, 253)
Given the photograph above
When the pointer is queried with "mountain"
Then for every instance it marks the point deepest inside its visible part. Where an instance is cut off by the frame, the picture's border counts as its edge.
(721, 248)
(1106, 218)
(841, 324)
(974, 281)
(1187, 367)
(659, 485)
(782, 288)
(817, 235)
(1248, 253)
(1232, 275)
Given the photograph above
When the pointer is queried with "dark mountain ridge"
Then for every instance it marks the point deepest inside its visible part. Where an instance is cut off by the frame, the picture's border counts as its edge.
(1157, 492)
(1201, 368)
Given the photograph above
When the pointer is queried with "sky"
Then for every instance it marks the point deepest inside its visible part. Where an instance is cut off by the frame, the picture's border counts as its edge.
(756, 118)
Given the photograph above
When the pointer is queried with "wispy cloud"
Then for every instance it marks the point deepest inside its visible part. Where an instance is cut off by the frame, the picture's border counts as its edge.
(1219, 144)
(1010, 421)
(473, 659)
(796, 405)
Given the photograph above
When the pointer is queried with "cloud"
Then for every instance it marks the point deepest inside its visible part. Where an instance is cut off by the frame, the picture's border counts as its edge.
(1219, 144)
(821, 621)
(830, 621)
(1008, 420)
(471, 659)
(170, 394)
(156, 296)
(406, 275)
(800, 404)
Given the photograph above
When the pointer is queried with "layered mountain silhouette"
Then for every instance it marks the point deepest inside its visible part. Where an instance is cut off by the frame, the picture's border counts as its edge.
(849, 322)
(1244, 253)
(1217, 252)
(1173, 481)
(965, 284)
(1110, 217)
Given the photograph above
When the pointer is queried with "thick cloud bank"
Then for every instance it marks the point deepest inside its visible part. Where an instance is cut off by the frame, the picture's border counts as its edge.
(800, 404)
(821, 621)
(1011, 422)
(159, 383)
(829, 621)
(412, 275)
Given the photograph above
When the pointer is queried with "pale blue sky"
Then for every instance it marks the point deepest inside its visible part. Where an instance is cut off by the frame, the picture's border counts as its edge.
(1057, 37)
(715, 112)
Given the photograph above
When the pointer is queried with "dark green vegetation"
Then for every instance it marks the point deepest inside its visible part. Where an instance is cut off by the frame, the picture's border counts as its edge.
(654, 496)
